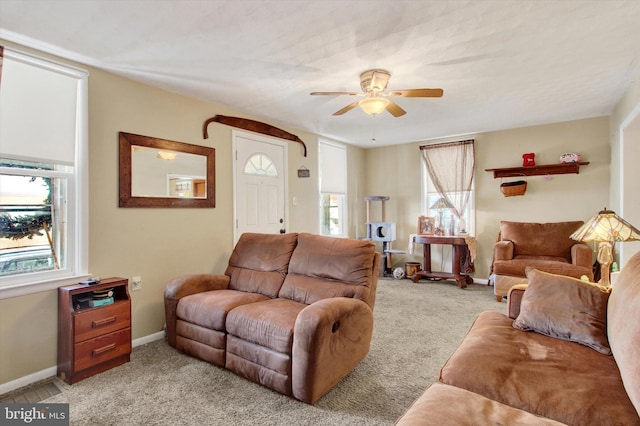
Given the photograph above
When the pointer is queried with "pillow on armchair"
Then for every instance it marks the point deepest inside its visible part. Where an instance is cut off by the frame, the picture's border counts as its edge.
(565, 308)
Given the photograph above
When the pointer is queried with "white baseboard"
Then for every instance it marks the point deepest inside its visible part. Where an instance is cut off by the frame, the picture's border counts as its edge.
(52, 371)
(148, 339)
(27, 380)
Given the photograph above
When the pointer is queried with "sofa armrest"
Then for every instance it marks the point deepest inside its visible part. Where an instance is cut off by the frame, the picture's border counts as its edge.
(582, 255)
(514, 299)
(330, 338)
(503, 250)
(184, 286)
(191, 284)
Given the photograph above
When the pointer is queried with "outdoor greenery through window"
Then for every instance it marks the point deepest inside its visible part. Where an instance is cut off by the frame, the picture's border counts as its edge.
(32, 217)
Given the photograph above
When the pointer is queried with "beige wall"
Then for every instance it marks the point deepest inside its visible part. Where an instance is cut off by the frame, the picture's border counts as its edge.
(395, 171)
(159, 244)
(29, 334)
(356, 184)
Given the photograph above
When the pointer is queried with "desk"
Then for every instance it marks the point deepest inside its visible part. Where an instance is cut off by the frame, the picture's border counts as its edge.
(461, 263)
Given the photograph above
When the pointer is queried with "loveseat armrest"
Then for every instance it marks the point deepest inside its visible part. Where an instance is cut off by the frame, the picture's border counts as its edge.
(191, 284)
(503, 250)
(582, 255)
(184, 286)
(330, 338)
(514, 299)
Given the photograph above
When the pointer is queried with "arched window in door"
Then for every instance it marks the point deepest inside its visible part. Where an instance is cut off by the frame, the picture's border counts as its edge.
(260, 164)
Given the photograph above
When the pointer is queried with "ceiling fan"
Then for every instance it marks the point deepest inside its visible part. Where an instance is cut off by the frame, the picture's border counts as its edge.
(373, 84)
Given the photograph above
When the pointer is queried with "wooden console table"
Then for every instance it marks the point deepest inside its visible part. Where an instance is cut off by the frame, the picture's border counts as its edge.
(461, 263)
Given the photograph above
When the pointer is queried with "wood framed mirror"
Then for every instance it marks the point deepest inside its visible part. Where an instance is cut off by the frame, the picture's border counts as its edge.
(161, 173)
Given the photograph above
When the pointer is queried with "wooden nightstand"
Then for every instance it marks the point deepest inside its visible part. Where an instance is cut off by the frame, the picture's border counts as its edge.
(92, 339)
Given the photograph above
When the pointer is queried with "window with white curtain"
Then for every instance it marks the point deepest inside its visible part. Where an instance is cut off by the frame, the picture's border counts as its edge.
(43, 173)
(448, 186)
(333, 188)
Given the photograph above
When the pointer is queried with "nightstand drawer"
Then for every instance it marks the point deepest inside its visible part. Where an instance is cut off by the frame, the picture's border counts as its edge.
(99, 321)
(101, 349)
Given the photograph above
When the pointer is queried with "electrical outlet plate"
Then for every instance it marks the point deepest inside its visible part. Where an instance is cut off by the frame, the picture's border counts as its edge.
(136, 283)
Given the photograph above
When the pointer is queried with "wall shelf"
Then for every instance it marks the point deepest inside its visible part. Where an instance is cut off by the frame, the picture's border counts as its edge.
(547, 169)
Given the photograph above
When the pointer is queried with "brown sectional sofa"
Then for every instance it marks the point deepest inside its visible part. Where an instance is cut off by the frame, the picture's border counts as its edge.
(576, 364)
(292, 312)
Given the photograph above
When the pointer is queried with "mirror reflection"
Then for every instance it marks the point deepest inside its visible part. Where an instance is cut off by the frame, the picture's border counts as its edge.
(162, 173)
(165, 173)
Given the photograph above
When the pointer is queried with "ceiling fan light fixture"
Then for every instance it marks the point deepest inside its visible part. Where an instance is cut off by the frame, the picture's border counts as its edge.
(374, 105)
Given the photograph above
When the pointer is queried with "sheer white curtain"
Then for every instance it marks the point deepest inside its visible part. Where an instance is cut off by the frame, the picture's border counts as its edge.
(451, 167)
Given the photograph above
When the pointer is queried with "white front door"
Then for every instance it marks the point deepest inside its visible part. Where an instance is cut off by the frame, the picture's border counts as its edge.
(260, 177)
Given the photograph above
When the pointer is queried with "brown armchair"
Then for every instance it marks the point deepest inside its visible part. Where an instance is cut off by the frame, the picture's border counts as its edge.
(544, 246)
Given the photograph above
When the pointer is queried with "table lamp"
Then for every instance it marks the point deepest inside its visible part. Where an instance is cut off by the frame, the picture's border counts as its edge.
(606, 228)
(441, 205)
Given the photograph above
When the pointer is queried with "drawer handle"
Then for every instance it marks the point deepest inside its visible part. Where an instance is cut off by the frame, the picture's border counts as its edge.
(104, 321)
(100, 351)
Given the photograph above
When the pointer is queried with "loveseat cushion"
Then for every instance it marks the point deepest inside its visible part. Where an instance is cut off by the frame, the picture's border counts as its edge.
(269, 323)
(323, 267)
(259, 262)
(549, 239)
(210, 308)
(553, 378)
(517, 267)
(565, 308)
(441, 405)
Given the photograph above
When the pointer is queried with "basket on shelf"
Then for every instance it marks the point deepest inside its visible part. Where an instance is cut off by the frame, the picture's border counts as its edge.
(515, 188)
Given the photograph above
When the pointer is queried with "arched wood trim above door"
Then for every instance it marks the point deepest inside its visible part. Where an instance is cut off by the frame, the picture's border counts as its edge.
(253, 126)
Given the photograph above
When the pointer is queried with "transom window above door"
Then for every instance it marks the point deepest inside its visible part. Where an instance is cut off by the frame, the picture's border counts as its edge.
(260, 164)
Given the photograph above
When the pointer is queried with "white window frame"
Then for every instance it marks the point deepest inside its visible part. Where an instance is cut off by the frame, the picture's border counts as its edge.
(76, 268)
(342, 211)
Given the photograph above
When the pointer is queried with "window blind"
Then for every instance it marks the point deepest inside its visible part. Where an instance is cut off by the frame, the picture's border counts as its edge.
(333, 168)
(38, 110)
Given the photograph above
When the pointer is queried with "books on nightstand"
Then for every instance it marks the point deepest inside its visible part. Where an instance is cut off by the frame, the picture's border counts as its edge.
(101, 302)
(101, 298)
(95, 299)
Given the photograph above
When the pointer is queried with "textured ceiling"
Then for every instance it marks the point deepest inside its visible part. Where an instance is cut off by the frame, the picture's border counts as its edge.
(502, 64)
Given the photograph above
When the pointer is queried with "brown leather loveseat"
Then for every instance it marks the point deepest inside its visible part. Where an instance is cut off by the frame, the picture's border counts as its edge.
(567, 353)
(292, 312)
(544, 246)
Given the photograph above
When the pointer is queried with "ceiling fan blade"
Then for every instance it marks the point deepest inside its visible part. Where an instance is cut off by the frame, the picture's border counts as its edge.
(347, 108)
(416, 93)
(334, 93)
(395, 110)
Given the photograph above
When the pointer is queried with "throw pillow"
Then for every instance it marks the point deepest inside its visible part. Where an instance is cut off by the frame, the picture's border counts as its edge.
(565, 308)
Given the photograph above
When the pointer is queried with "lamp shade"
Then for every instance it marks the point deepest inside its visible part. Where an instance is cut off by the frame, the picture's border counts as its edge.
(442, 203)
(374, 105)
(606, 226)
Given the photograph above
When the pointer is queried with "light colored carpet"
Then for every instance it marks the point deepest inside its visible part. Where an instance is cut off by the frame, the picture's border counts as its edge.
(417, 327)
